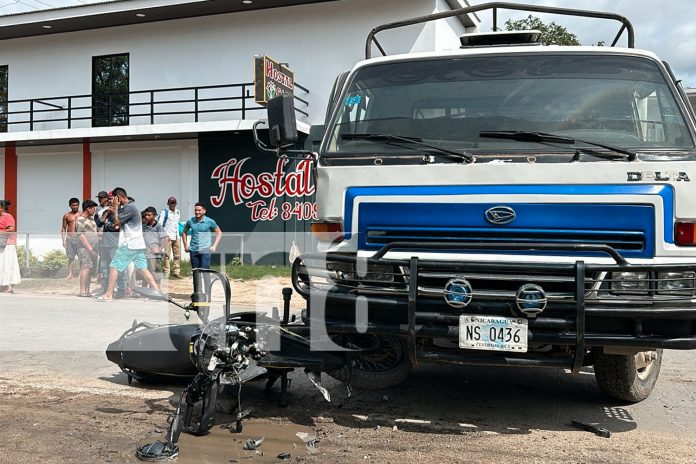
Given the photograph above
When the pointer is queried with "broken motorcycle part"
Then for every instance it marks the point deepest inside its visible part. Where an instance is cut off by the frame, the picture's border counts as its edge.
(315, 378)
(253, 443)
(203, 390)
(157, 451)
(599, 431)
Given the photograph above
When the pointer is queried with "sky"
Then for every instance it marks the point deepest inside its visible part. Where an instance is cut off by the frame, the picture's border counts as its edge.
(665, 27)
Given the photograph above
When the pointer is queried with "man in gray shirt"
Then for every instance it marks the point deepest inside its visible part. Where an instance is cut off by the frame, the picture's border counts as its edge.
(156, 240)
(131, 244)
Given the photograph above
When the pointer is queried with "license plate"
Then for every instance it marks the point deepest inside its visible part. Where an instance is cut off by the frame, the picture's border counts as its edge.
(494, 333)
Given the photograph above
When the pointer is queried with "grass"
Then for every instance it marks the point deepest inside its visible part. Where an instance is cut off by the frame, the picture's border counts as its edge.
(245, 272)
(234, 272)
(257, 271)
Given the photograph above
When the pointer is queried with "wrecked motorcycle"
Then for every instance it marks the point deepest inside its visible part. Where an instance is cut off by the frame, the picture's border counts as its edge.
(230, 350)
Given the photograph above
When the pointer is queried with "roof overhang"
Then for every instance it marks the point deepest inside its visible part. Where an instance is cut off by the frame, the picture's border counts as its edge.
(124, 13)
(128, 12)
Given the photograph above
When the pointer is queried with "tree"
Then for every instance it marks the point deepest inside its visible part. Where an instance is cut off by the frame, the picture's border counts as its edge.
(551, 34)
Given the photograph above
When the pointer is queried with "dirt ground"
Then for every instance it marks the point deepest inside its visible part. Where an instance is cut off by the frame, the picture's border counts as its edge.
(403, 425)
(51, 413)
(263, 293)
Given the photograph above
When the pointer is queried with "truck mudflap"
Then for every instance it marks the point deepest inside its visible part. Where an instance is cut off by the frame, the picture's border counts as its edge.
(586, 306)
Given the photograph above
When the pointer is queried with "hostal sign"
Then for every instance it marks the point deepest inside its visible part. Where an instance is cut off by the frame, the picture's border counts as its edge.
(260, 191)
(271, 79)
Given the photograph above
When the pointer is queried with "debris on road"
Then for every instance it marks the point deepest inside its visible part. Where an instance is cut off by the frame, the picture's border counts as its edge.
(311, 441)
(284, 456)
(252, 444)
(157, 451)
(599, 431)
(305, 437)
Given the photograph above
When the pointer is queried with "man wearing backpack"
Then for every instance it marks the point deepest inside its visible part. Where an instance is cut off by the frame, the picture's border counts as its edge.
(169, 219)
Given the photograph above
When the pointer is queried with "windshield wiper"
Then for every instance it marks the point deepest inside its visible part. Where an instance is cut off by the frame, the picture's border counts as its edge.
(390, 139)
(600, 154)
(545, 137)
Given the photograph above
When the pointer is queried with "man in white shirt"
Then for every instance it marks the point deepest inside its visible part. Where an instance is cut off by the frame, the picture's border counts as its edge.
(169, 219)
(104, 200)
(131, 243)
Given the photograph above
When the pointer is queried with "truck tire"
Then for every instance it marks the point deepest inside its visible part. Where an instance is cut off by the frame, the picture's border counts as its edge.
(624, 377)
(381, 366)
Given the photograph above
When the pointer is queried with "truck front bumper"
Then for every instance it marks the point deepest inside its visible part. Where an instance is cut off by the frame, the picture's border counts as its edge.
(585, 309)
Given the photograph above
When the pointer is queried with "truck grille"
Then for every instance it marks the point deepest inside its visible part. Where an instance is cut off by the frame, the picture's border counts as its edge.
(630, 229)
(619, 240)
(495, 281)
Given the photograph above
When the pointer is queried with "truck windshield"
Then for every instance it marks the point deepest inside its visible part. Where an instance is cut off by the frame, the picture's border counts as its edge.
(615, 100)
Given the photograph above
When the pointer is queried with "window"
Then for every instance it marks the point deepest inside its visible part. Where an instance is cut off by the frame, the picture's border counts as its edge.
(611, 99)
(3, 99)
(110, 98)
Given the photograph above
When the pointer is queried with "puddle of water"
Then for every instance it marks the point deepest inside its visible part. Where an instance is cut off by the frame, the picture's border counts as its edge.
(222, 446)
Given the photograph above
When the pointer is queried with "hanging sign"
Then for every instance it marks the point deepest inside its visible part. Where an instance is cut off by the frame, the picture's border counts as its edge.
(271, 79)
(282, 193)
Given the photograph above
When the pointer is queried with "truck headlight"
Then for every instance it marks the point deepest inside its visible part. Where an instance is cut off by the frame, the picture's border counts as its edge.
(380, 273)
(676, 283)
(343, 271)
(340, 270)
(629, 283)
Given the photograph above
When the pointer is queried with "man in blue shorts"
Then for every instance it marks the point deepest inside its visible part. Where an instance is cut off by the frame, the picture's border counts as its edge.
(131, 244)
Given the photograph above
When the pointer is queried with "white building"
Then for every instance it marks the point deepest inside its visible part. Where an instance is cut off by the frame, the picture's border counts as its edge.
(87, 90)
(691, 93)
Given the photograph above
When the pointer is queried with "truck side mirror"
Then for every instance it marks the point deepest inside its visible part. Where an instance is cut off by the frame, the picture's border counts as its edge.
(282, 124)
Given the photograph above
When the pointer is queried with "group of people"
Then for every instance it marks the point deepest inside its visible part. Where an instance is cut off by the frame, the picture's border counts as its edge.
(114, 234)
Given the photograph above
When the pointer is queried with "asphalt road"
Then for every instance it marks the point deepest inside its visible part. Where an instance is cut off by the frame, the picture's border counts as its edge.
(55, 345)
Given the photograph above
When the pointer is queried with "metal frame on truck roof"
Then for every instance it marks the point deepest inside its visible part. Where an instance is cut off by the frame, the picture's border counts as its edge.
(494, 6)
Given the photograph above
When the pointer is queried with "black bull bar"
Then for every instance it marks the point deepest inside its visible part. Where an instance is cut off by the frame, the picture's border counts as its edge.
(569, 331)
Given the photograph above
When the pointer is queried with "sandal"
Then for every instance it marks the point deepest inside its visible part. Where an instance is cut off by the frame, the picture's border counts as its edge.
(84, 295)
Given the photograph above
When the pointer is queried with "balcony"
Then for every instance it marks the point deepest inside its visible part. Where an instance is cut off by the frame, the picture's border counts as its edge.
(141, 107)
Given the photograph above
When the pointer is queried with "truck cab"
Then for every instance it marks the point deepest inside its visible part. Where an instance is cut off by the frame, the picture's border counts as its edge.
(506, 203)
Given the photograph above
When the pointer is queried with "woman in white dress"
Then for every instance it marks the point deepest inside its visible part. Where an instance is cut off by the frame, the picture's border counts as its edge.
(9, 264)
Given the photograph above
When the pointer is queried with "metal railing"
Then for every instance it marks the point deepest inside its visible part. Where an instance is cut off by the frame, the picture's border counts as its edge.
(140, 107)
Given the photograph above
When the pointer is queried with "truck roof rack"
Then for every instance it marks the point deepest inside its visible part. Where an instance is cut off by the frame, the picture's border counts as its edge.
(494, 7)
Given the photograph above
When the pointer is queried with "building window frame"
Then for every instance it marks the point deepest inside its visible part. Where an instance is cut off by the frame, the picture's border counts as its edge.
(111, 90)
(4, 100)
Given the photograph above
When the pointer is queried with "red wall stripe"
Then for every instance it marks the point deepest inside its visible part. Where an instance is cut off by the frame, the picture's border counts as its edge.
(86, 171)
(11, 177)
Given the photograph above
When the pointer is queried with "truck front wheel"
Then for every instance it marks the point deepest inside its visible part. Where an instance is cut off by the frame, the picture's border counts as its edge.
(627, 377)
(380, 362)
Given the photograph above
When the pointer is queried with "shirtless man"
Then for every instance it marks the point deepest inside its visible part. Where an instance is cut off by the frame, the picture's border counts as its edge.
(67, 233)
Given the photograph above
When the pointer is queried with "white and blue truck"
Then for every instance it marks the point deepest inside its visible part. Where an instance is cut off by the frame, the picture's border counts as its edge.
(504, 203)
